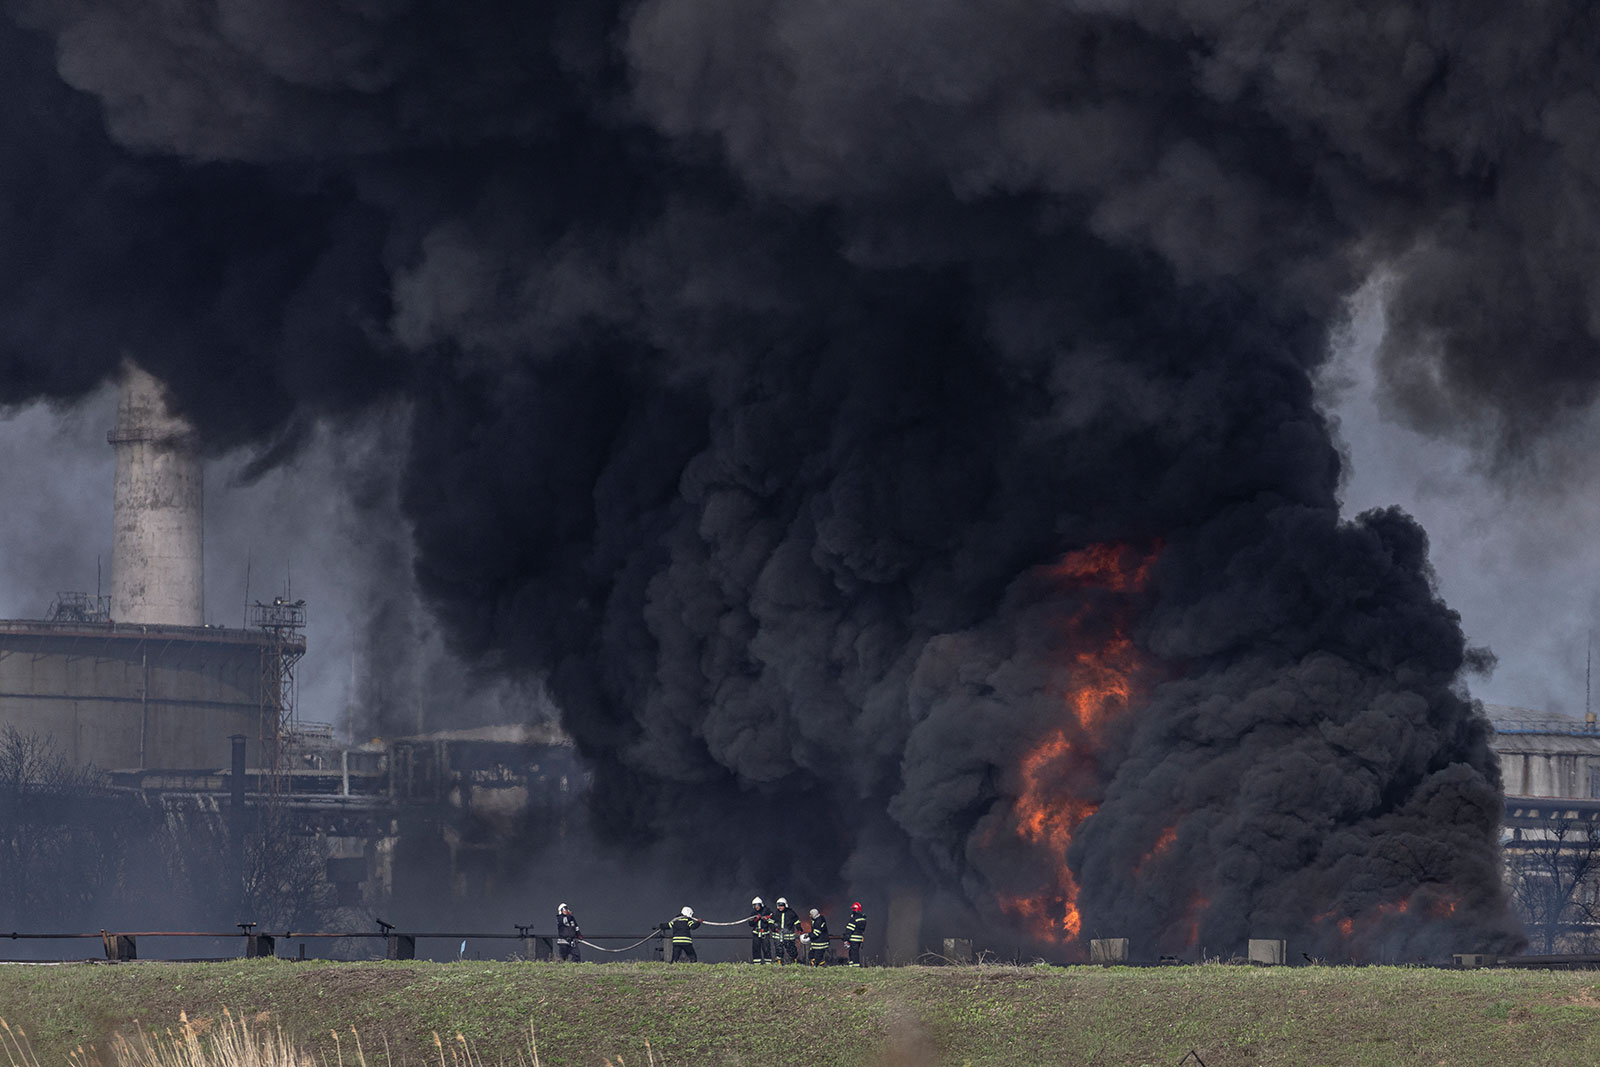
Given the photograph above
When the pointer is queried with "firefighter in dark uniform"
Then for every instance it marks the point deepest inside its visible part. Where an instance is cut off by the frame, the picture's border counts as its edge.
(855, 932)
(819, 939)
(567, 935)
(786, 928)
(683, 935)
(760, 932)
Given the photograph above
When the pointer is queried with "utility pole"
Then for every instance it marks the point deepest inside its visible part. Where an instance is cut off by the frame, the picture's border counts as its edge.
(1588, 685)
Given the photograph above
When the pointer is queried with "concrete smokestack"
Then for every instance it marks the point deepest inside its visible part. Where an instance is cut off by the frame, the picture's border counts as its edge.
(157, 561)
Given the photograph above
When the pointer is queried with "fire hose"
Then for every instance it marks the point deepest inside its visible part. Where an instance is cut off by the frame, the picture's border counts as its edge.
(651, 937)
(636, 944)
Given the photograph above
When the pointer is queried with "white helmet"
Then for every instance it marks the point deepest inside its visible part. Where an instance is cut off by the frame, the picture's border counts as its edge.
(561, 907)
(783, 902)
(756, 901)
(688, 912)
(815, 913)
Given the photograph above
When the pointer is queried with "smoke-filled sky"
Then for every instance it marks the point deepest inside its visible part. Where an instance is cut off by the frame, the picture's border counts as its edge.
(1513, 554)
(1514, 548)
(747, 367)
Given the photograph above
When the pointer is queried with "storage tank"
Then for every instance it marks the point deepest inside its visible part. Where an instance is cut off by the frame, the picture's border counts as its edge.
(129, 696)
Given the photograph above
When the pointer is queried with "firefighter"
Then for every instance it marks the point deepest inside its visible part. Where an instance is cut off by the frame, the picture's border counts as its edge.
(819, 939)
(567, 935)
(760, 932)
(683, 935)
(855, 932)
(786, 927)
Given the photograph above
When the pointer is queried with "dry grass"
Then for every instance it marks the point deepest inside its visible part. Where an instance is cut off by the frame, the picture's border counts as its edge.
(462, 1054)
(232, 1042)
(228, 1042)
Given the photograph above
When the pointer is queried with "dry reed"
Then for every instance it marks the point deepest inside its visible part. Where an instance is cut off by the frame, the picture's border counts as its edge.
(233, 1042)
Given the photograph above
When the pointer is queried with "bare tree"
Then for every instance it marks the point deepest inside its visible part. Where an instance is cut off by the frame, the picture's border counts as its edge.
(280, 881)
(285, 878)
(1554, 874)
(62, 833)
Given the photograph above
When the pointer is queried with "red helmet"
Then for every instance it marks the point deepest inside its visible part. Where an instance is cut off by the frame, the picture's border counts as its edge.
(856, 906)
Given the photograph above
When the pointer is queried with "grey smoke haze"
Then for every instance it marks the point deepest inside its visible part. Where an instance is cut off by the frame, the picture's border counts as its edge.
(1513, 542)
(325, 526)
(760, 359)
(55, 478)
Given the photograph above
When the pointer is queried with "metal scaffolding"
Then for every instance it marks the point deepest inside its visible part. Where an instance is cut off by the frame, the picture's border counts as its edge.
(283, 621)
(80, 607)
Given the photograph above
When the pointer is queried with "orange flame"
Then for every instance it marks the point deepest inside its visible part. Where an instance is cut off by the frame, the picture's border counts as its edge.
(1107, 684)
(1164, 842)
(1104, 565)
(1105, 671)
(1047, 820)
(1197, 907)
(1433, 904)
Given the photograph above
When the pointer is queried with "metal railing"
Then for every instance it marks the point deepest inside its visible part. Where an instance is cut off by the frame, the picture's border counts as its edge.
(122, 946)
(308, 730)
(1556, 727)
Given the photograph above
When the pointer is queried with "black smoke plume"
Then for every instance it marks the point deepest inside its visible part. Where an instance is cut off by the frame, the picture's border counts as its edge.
(763, 356)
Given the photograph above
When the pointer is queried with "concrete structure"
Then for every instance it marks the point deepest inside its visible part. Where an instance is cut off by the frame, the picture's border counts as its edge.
(157, 553)
(902, 941)
(137, 681)
(1108, 950)
(958, 949)
(1550, 769)
(123, 696)
(1268, 952)
(1546, 755)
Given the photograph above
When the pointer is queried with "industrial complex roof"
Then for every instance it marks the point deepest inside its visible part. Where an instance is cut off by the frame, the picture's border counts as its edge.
(1513, 720)
(146, 631)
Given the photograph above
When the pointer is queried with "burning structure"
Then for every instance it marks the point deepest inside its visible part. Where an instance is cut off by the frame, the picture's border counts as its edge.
(769, 363)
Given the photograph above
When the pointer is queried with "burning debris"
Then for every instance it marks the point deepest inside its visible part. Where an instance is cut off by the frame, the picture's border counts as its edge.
(780, 374)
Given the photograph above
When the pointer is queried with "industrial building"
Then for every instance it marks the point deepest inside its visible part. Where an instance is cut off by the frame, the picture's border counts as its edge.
(199, 723)
(1546, 755)
(1550, 766)
(130, 696)
(136, 680)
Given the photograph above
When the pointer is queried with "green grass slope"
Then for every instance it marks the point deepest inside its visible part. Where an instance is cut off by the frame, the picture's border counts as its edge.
(738, 1014)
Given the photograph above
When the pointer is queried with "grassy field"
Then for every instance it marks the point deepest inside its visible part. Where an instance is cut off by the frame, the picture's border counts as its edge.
(732, 1014)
